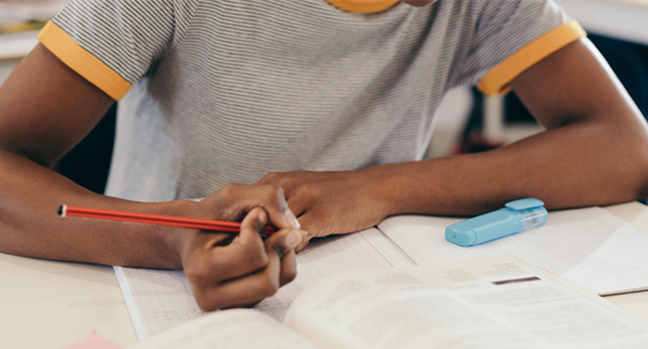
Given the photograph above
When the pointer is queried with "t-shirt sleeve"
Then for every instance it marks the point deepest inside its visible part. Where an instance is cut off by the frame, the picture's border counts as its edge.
(111, 43)
(510, 36)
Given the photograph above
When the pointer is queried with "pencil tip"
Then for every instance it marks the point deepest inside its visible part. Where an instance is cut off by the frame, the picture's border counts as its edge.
(61, 210)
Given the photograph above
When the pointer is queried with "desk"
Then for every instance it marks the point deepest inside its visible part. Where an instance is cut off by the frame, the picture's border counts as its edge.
(48, 304)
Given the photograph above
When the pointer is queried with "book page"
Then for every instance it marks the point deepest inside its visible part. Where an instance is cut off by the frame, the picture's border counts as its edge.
(492, 302)
(240, 328)
(589, 247)
(160, 299)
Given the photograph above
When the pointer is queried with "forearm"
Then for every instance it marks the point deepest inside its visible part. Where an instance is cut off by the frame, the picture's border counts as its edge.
(30, 225)
(595, 152)
(585, 163)
(45, 109)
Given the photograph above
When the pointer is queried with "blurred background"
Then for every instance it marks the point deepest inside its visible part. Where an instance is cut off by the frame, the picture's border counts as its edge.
(466, 121)
(469, 122)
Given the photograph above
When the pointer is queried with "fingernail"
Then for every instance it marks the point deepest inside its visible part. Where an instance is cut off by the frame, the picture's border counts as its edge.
(306, 235)
(282, 199)
(290, 218)
(263, 217)
(293, 239)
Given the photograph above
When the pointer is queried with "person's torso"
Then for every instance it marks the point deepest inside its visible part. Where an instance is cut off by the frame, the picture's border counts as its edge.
(257, 86)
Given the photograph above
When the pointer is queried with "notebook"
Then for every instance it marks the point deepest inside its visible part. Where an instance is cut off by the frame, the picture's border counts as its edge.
(589, 247)
(497, 302)
(160, 299)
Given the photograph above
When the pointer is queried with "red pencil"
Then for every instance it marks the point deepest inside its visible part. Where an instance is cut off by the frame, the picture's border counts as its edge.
(173, 221)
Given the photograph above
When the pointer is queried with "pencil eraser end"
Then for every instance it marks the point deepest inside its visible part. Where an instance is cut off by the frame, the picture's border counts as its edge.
(460, 237)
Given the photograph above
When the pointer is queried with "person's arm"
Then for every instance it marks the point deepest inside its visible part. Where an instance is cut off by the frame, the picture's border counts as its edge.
(594, 152)
(45, 109)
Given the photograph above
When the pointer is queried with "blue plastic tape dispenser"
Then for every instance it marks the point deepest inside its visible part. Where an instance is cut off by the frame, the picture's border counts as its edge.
(517, 216)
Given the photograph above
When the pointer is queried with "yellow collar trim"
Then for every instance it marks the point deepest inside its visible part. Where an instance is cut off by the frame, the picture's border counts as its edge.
(363, 6)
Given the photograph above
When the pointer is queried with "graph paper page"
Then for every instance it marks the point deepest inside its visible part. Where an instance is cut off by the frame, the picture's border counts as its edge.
(589, 247)
(160, 299)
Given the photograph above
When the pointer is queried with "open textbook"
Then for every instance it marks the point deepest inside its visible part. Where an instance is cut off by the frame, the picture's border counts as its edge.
(160, 299)
(589, 247)
(491, 302)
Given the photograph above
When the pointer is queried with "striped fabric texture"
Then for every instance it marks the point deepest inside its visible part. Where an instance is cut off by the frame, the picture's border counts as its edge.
(228, 90)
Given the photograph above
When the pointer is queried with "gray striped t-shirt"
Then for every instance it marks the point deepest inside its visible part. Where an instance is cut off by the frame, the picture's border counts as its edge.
(229, 90)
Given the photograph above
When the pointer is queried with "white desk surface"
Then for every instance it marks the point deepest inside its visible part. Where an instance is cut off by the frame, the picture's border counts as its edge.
(48, 304)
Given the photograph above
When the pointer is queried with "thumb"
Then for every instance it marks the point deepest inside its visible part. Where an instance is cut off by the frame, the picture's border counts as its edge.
(252, 227)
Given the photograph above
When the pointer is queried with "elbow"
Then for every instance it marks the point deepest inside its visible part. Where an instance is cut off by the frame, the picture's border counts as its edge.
(620, 162)
(31, 156)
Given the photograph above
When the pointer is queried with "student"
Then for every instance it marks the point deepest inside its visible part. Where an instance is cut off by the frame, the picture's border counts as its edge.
(333, 98)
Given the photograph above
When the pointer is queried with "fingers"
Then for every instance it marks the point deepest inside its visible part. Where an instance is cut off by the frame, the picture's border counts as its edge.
(244, 291)
(298, 206)
(288, 214)
(316, 223)
(234, 201)
(282, 245)
(253, 287)
(301, 246)
(251, 229)
(208, 263)
(248, 253)
(288, 268)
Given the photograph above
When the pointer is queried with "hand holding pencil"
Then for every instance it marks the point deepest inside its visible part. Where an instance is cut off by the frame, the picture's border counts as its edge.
(226, 270)
(172, 221)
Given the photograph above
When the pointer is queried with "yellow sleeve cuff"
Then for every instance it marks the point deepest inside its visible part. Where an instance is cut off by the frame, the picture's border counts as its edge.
(496, 82)
(83, 62)
(363, 6)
